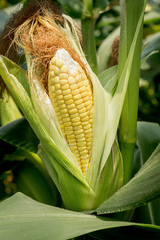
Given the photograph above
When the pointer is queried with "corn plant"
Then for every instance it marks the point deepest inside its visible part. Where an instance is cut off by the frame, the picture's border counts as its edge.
(85, 123)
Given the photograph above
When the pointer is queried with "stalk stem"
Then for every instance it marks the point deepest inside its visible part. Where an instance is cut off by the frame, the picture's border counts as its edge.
(131, 11)
(89, 43)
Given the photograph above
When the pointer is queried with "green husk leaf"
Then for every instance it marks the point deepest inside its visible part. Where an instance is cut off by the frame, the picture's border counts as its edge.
(95, 175)
(109, 80)
(8, 110)
(17, 82)
(65, 170)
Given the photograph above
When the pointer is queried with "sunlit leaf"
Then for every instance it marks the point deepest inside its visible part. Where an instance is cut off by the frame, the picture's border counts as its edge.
(144, 187)
(23, 218)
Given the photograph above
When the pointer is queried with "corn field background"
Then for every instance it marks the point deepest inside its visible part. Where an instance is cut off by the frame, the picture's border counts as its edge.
(43, 194)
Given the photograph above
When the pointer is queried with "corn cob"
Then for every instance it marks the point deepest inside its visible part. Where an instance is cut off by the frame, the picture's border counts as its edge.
(71, 94)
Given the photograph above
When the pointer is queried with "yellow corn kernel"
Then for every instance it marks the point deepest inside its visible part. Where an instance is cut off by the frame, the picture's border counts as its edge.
(84, 123)
(71, 94)
(64, 69)
(71, 80)
(80, 106)
(91, 121)
(88, 135)
(82, 148)
(67, 124)
(60, 101)
(89, 148)
(80, 84)
(64, 115)
(76, 123)
(82, 110)
(83, 89)
(76, 119)
(55, 69)
(65, 86)
(75, 115)
(84, 94)
(83, 115)
(57, 86)
(78, 102)
(73, 86)
(71, 106)
(51, 74)
(83, 153)
(63, 76)
(66, 92)
(54, 80)
(58, 92)
(87, 127)
(69, 132)
(77, 97)
(66, 120)
(72, 111)
(71, 137)
(63, 111)
(77, 132)
(73, 148)
(62, 106)
(75, 74)
(81, 144)
(71, 141)
(88, 131)
(78, 78)
(80, 136)
(58, 62)
(78, 127)
(59, 97)
(63, 81)
(75, 92)
(69, 102)
(67, 97)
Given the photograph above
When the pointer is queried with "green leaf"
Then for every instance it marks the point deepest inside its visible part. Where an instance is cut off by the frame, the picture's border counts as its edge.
(32, 180)
(5, 13)
(144, 187)
(152, 17)
(126, 233)
(24, 218)
(20, 134)
(100, 4)
(148, 138)
(104, 51)
(151, 46)
(73, 8)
